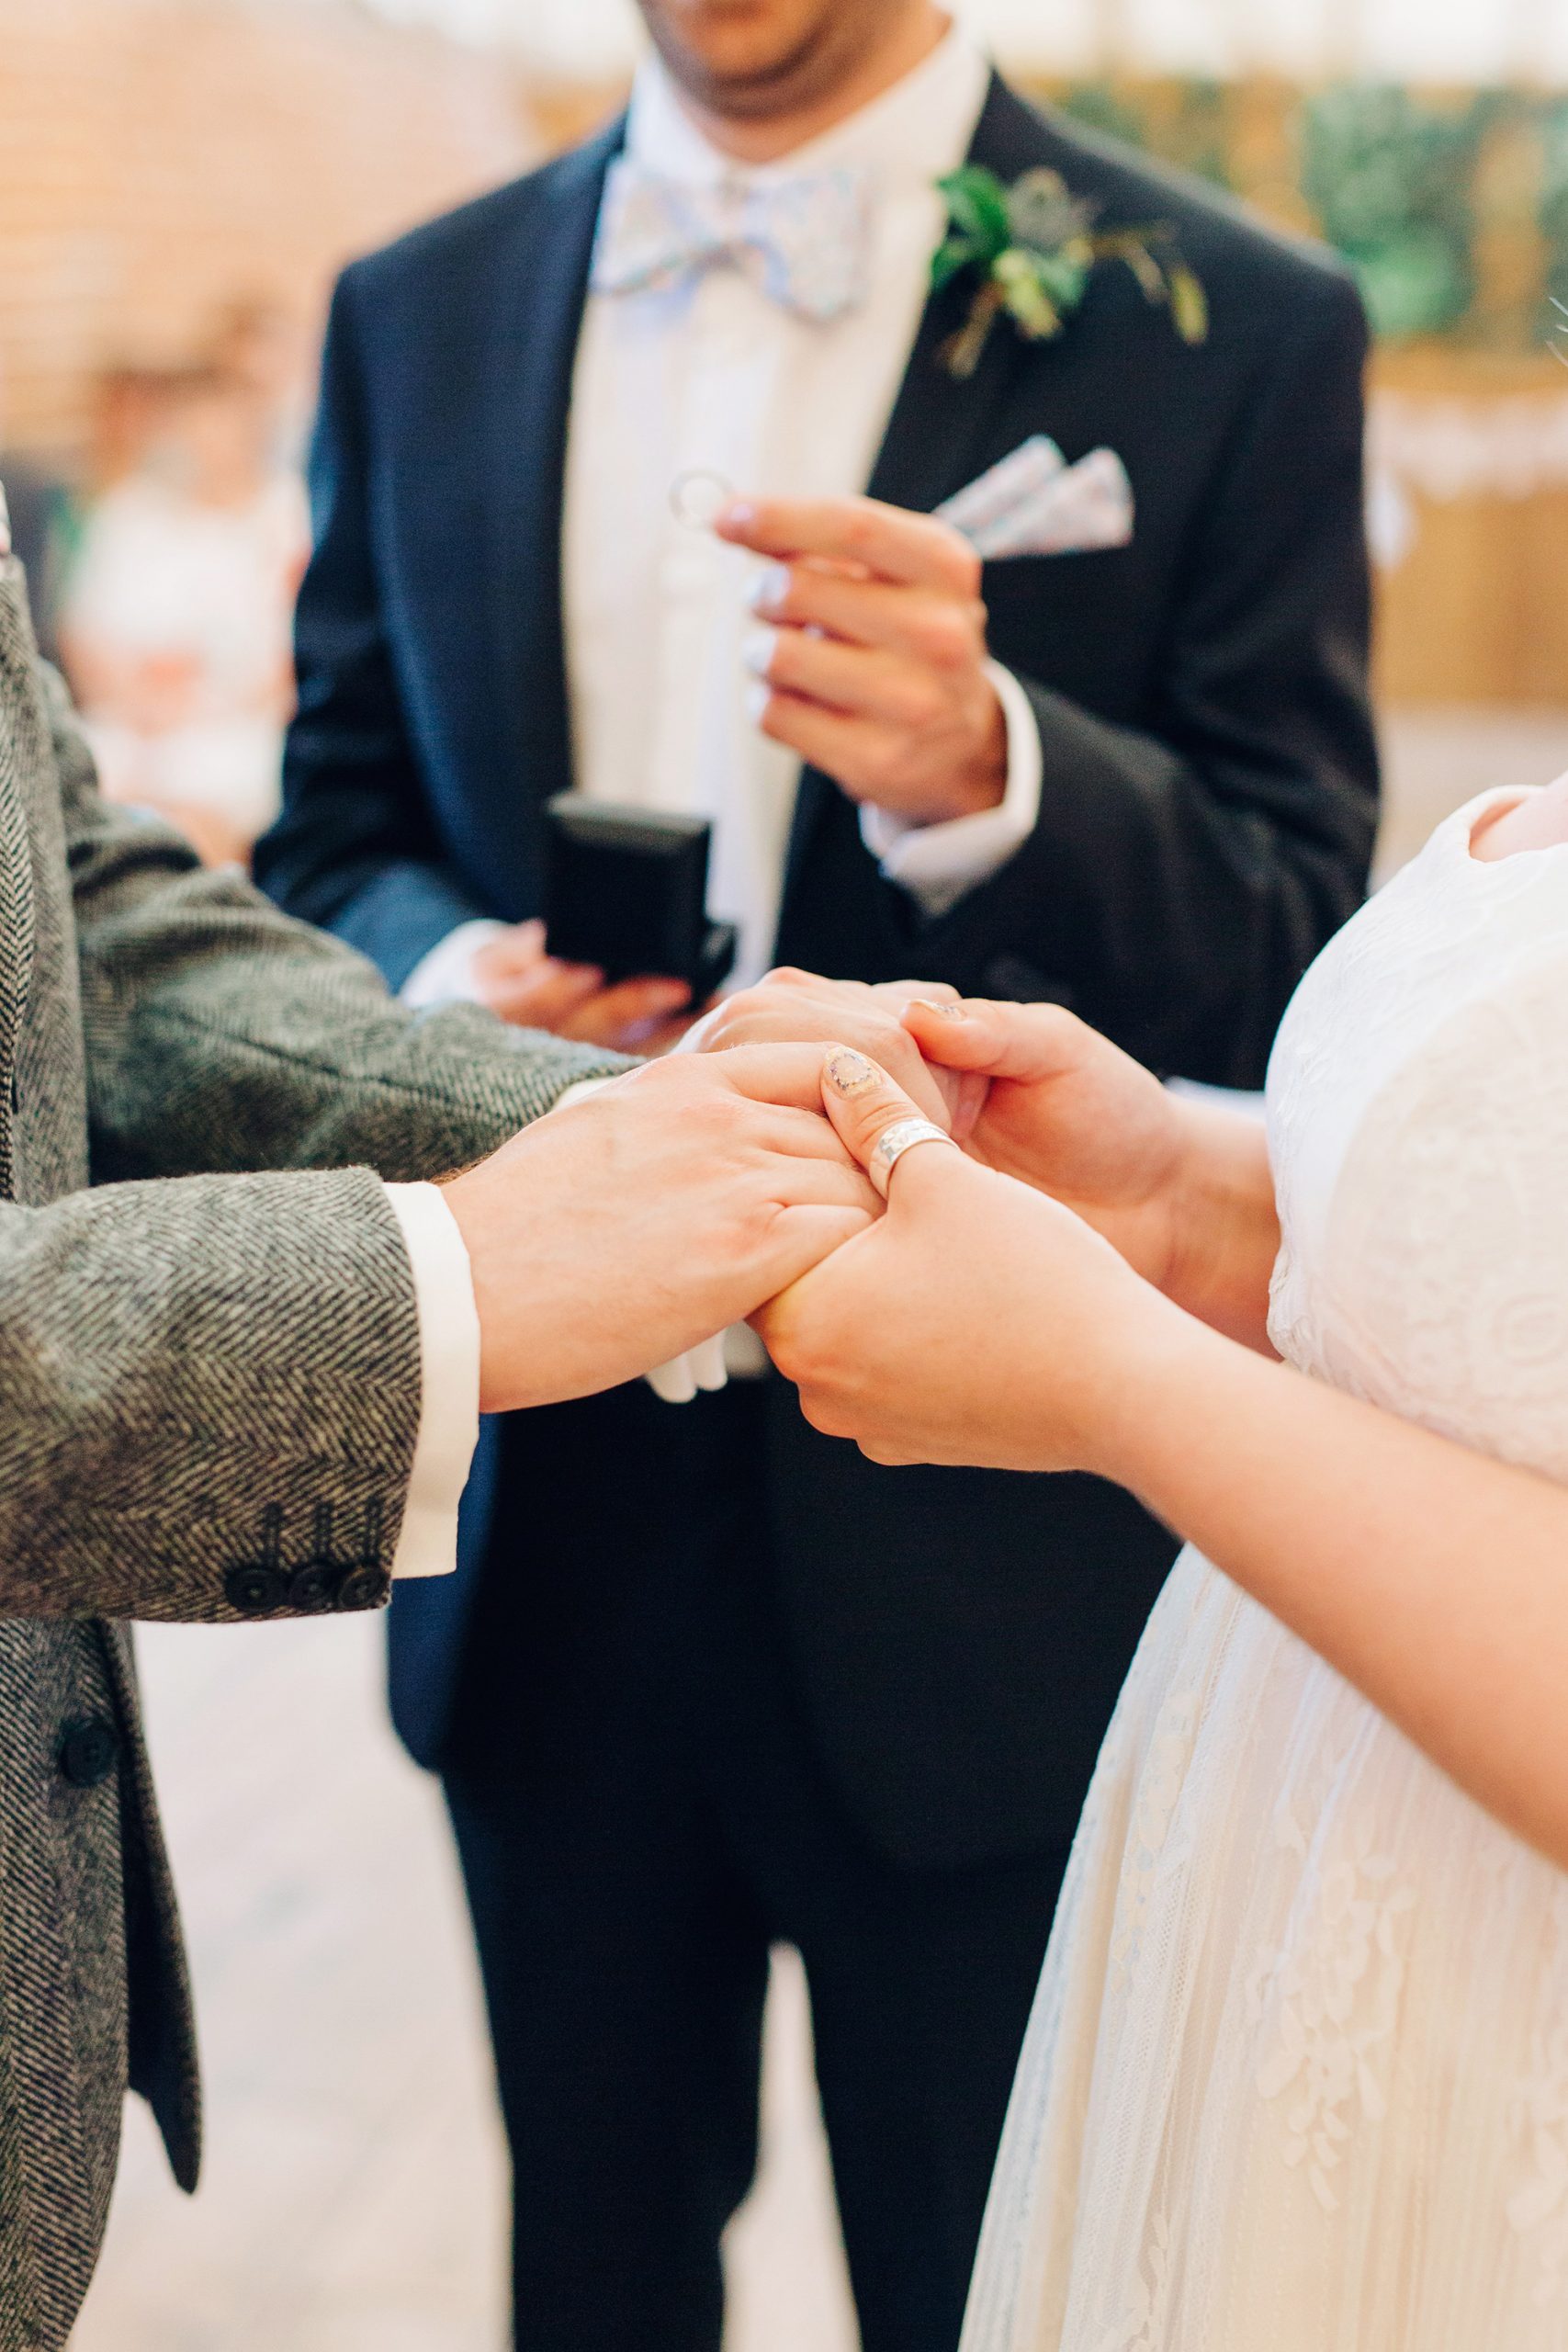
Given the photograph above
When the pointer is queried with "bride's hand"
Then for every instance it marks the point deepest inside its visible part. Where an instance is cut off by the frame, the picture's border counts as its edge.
(978, 1322)
(1070, 1114)
(1182, 1187)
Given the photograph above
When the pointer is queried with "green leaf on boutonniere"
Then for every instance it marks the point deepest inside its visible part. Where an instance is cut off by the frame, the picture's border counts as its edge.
(1033, 248)
(949, 260)
(1038, 289)
(1189, 305)
(977, 206)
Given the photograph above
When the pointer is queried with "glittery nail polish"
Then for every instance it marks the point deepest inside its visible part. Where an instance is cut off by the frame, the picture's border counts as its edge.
(849, 1073)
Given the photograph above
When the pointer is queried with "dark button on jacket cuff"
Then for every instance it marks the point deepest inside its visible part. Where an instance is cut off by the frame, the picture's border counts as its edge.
(88, 1752)
(256, 1591)
(364, 1587)
(315, 1586)
(263, 1586)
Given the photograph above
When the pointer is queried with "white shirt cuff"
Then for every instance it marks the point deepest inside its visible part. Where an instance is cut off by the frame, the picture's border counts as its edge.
(445, 975)
(938, 864)
(449, 1375)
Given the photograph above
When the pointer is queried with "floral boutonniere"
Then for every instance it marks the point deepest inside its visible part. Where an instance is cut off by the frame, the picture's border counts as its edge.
(1035, 246)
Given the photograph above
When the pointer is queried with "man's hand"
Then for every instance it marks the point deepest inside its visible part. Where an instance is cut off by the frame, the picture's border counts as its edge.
(872, 641)
(517, 978)
(791, 1007)
(614, 1235)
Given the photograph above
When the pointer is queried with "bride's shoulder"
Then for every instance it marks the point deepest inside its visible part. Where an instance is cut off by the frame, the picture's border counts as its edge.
(1534, 819)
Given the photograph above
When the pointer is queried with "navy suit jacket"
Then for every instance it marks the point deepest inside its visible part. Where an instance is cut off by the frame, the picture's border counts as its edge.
(1206, 820)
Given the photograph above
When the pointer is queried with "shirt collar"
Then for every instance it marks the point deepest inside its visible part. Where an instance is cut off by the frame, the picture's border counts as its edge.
(912, 133)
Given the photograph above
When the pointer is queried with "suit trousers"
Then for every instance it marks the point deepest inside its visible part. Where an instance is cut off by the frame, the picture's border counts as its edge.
(641, 1815)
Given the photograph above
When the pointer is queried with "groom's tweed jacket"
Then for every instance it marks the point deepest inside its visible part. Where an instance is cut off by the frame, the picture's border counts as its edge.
(208, 1392)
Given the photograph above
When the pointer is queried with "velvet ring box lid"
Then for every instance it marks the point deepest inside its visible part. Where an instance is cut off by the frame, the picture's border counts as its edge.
(626, 889)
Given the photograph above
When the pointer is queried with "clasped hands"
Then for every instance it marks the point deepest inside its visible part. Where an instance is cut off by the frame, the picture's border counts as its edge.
(992, 1313)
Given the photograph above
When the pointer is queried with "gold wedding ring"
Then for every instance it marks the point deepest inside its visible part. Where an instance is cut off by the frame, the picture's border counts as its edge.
(895, 1141)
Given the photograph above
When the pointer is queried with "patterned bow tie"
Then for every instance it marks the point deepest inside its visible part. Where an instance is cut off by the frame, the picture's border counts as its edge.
(805, 241)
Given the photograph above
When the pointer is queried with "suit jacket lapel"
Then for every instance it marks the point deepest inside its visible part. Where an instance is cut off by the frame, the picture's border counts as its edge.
(543, 287)
(940, 425)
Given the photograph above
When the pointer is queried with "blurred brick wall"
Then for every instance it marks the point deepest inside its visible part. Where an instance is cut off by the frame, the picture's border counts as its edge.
(158, 157)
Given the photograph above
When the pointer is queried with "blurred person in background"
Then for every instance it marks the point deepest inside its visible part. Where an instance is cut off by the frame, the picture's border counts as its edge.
(175, 625)
(39, 509)
(261, 345)
(129, 411)
(131, 408)
(730, 1683)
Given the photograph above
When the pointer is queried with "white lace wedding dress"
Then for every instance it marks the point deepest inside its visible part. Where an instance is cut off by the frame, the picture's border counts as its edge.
(1297, 2078)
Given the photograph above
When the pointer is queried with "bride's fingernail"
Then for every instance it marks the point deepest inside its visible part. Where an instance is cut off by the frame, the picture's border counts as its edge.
(942, 1012)
(849, 1073)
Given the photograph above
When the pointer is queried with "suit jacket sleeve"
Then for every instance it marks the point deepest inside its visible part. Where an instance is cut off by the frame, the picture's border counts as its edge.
(223, 1035)
(1187, 871)
(355, 849)
(208, 1386)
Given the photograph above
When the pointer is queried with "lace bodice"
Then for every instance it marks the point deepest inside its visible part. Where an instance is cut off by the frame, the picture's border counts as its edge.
(1418, 1127)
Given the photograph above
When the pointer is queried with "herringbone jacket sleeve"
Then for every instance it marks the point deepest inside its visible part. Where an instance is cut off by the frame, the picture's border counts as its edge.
(209, 1388)
(206, 1389)
(222, 1034)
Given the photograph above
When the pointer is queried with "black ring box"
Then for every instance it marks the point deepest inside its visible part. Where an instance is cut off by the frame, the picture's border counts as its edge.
(626, 889)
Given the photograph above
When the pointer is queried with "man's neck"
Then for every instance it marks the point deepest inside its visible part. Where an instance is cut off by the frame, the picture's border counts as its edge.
(753, 139)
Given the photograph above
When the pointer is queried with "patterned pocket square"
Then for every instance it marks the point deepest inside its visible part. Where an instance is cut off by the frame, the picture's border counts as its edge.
(1033, 502)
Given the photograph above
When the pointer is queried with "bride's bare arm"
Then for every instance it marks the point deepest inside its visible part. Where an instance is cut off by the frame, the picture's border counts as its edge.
(981, 1322)
(1182, 1187)
(1433, 1579)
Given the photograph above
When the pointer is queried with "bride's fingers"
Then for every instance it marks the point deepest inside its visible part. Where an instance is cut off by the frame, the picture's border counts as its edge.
(996, 1040)
(863, 1103)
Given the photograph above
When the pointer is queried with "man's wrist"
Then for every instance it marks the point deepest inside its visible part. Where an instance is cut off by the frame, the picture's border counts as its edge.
(984, 784)
(940, 862)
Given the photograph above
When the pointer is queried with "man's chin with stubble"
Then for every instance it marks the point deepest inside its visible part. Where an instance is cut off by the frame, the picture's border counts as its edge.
(747, 60)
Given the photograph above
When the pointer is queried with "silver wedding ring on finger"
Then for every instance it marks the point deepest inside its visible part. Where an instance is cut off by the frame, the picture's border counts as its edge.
(895, 1141)
(699, 498)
